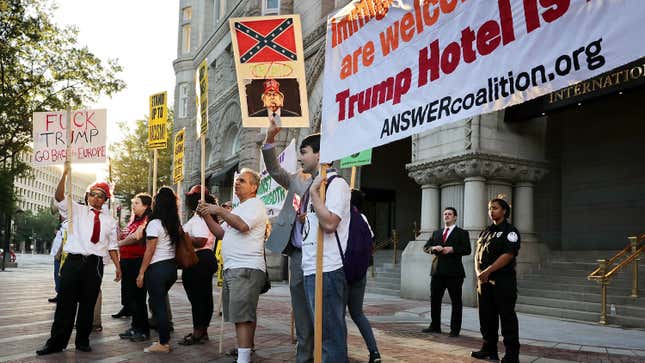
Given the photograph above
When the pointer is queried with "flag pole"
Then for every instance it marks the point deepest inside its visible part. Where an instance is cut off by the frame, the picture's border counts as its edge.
(319, 280)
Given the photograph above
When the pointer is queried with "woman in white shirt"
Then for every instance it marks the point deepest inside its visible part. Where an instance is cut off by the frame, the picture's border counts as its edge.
(159, 268)
(198, 279)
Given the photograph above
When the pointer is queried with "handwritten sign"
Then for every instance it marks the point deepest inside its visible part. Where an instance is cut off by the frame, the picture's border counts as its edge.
(157, 124)
(178, 156)
(201, 90)
(88, 143)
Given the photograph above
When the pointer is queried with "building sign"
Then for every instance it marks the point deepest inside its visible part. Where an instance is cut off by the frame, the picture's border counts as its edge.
(398, 68)
(178, 157)
(358, 159)
(201, 92)
(88, 137)
(270, 65)
(157, 124)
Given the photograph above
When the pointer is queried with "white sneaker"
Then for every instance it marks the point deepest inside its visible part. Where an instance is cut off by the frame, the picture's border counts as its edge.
(157, 347)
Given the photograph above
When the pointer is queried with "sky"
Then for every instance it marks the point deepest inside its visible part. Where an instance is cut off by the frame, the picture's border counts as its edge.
(142, 35)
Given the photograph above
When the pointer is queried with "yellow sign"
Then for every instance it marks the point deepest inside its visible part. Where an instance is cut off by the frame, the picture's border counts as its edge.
(178, 168)
(157, 130)
(201, 90)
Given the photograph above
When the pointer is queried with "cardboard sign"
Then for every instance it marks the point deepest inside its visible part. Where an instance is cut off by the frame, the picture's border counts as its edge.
(269, 60)
(358, 159)
(398, 68)
(201, 90)
(88, 144)
(157, 129)
(178, 157)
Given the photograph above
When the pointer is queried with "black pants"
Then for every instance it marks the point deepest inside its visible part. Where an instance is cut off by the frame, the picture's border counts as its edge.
(132, 297)
(159, 278)
(198, 283)
(80, 282)
(438, 286)
(497, 303)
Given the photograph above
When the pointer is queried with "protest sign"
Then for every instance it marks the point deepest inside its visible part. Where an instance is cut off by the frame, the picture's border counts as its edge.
(273, 194)
(88, 137)
(359, 159)
(397, 68)
(201, 99)
(270, 65)
(157, 123)
(178, 155)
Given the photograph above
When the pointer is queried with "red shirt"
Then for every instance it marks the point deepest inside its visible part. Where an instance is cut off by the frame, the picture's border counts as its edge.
(134, 250)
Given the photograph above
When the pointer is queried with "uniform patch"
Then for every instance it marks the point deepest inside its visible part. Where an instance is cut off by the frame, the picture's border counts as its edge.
(512, 237)
(499, 234)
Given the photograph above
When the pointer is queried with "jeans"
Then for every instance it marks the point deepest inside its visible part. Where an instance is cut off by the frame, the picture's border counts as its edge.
(355, 295)
(198, 283)
(334, 330)
(159, 278)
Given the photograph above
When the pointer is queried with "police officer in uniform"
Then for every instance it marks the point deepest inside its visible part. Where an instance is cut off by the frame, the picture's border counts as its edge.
(497, 249)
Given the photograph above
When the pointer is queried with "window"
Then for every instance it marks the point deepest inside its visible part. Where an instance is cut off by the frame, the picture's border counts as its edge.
(270, 7)
(186, 14)
(185, 31)
(183, 100)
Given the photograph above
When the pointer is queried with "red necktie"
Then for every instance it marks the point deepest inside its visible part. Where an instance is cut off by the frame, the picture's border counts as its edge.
(96, 231)
(445, 234)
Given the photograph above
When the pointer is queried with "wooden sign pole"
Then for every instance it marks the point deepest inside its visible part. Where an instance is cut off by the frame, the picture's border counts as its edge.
(352, 181)
(318, 322)
(180, 207)
(203, 167)
(154, 171)
(68, 161)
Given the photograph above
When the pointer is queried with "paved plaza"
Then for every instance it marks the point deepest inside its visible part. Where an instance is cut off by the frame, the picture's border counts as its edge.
(26, 318)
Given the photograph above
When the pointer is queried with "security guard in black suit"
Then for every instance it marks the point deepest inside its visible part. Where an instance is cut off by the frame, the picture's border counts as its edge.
(448, 245)
(497, 249)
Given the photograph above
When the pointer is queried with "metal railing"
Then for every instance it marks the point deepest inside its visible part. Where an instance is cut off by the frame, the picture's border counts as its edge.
(604, 273)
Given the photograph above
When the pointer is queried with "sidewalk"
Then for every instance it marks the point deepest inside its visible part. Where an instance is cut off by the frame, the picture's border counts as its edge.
(26, 317)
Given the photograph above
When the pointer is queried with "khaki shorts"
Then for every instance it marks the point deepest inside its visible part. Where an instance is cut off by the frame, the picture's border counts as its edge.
(240, 294)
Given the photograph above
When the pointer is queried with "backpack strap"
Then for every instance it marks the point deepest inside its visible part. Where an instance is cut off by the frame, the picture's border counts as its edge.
(340, 249)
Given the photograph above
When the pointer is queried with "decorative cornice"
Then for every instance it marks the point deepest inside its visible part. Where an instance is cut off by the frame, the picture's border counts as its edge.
(315, 36)
(477, 165)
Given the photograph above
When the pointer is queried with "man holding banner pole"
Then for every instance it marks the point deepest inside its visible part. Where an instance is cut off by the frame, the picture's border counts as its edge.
(286, 233)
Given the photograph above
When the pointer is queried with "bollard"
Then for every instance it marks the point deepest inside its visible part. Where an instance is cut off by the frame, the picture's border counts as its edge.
(634, 242)
(602, 264)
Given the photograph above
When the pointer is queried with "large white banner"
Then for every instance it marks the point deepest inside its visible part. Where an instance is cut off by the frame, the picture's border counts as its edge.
(88, 137)
(397, 68)
(272, 194)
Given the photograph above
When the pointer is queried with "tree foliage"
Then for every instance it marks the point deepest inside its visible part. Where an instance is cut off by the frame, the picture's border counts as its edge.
(40, 226)
(132, 161)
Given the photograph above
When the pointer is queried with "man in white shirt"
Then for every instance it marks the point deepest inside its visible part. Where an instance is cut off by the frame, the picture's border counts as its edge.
(91, 238)
(243, 253)
(332, 216)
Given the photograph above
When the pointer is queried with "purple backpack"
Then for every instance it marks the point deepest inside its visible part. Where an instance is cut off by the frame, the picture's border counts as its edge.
(356, 257)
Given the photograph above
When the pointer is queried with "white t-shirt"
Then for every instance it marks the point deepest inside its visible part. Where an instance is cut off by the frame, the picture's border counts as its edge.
(246, 250)
(197, 227)
(165, 248)
(337, 201)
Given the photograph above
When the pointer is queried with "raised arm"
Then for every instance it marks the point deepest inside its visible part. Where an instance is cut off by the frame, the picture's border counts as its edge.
(60, 189)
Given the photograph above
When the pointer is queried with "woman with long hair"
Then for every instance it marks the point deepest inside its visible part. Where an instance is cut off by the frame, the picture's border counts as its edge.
(159, 268)
(132, 248)
(497, 249)
(198, 279)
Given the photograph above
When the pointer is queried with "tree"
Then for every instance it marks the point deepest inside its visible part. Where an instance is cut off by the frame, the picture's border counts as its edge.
(42, 68)
(132, 161)
(39, 227)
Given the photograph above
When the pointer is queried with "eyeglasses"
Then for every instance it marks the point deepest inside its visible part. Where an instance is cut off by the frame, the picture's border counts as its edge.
(227, 206)
(97, 195)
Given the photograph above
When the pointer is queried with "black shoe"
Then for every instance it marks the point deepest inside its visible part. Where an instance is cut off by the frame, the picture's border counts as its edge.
(84, 348)
(48, 349)
(485, 355)
(127, 334)
(508, 359)
(121, 314)
(375, 357)
(453, 334)
(53, 299)
(430, 329)
(139, 337)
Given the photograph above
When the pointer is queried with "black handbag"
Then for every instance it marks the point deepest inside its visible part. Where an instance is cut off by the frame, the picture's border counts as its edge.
(267, 283)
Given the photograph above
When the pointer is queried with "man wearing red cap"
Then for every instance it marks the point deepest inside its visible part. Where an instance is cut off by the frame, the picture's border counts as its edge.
(93, 236)
(273, 101)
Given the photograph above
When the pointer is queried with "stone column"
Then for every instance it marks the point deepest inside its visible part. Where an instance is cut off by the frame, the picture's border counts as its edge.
(474, 213)
(531, 251)
(429, 210)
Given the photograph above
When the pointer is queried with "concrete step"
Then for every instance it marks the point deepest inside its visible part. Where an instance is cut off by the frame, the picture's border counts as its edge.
(625, 321)
(593, 307)
(589, 287)
(581, 296)
(615, 282)
(384, 285)
(384, 291)
(381, 278)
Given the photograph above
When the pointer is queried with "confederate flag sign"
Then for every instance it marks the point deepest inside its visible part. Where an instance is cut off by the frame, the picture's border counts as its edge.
(270, 40)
